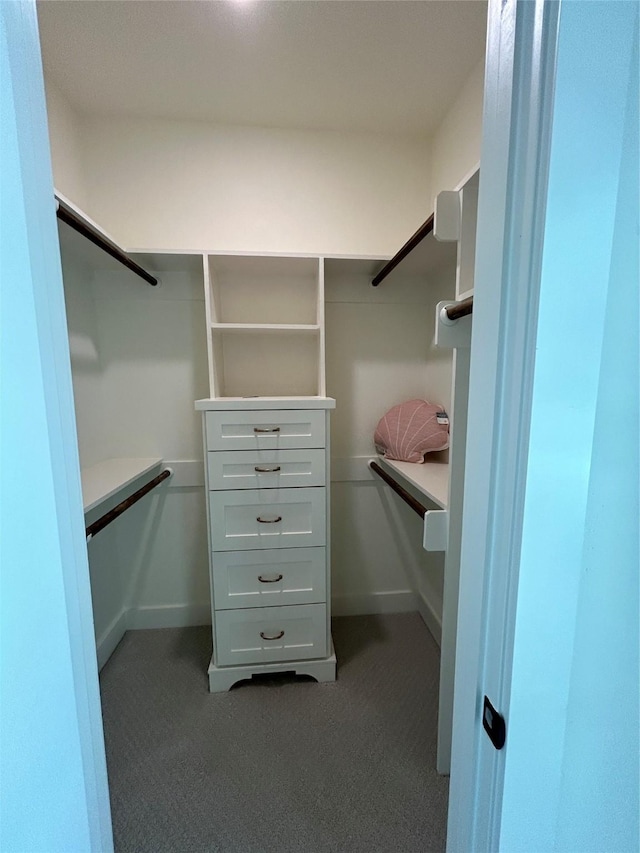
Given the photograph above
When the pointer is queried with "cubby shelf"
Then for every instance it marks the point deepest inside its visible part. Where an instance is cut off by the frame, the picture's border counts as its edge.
(266, 325)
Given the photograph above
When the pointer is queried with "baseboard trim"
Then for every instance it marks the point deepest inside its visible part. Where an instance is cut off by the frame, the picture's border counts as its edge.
(168, 616)
(430, 618)
(106, 644)
(361, 604)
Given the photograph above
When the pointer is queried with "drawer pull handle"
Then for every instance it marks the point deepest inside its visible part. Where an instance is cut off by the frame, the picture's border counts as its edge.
(270, 580)
(266, 429)
(269, 520)
(267, 470)
(277, 636)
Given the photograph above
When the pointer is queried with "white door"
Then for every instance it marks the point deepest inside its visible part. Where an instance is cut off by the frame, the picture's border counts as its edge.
(549, 575)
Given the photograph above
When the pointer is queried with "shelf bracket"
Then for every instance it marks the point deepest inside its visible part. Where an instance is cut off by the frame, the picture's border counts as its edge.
(435, 530)
(447, 216)
(452, 334)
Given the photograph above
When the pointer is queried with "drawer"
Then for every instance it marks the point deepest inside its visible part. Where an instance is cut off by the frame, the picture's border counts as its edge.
(265, 635)
(250, 430)
(269, 578)
(268, 518)
(270, 469)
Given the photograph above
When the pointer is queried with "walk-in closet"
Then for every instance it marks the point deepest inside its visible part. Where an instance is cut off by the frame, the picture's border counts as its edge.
(254, 275)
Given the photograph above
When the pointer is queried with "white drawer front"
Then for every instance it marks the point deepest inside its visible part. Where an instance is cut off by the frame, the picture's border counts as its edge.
(269, 518)
(265, 429)
(264, 635)
(265, 469)
(269, 578)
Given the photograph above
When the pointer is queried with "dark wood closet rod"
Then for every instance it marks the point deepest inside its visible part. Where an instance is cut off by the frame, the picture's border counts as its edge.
(460, 309)
(65, 215)
(425, 229)
(415, 505)
(124, 505)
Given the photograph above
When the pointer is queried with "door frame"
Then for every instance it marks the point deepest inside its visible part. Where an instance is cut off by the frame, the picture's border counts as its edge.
(518, 104)
(52, 574)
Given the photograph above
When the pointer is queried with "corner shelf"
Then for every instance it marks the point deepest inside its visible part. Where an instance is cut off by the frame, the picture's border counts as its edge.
(429, 478)
(421, 254)
(91, 241)
(105, 480)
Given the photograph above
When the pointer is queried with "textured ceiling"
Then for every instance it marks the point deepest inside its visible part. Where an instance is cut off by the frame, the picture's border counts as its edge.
(366, 65)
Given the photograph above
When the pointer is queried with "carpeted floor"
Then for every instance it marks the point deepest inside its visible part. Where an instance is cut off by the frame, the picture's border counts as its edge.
(277, 764)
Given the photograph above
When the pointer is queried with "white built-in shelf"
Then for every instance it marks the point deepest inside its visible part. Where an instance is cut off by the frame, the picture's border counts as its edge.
(427, 257)
(266, 325)
(85, 239)
(429, 478)
(296, 328)
(106, 479)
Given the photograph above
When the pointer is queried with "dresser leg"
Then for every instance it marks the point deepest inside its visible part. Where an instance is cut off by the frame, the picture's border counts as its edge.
(321, 670)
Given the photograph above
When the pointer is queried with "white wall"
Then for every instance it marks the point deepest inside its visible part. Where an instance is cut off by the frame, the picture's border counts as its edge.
(138, 358)
(252, 189)
(84, 346)
(380, 352)
(153, 353)
(154, 362)
(164, 184)
(455, 147)
(67, 144)
(381, 348)
(378, 563)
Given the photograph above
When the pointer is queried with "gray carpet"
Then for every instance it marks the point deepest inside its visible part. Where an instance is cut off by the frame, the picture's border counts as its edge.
(277, 764)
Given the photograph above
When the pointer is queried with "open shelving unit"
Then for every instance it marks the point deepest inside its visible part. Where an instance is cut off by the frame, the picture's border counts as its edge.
(265, 322)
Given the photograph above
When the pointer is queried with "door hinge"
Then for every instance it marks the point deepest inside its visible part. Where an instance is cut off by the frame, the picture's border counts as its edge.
(494, 724)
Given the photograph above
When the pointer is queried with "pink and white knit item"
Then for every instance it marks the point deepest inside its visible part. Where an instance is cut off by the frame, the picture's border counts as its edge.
(410, 430)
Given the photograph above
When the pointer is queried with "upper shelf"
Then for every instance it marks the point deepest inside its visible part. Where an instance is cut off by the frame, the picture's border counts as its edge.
(76, 219)
(104, 480)
(165, 260)
(430, 478)
(420, 254)
(455, 212)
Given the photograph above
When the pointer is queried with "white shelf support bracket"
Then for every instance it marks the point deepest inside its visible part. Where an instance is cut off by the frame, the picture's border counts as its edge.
(451, 334)
(447, 216)
(436, 530)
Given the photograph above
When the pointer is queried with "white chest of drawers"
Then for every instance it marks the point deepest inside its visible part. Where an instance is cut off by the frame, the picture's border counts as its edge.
(267, 476)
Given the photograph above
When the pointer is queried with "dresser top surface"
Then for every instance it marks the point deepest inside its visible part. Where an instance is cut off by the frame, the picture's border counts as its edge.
(253, 403)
